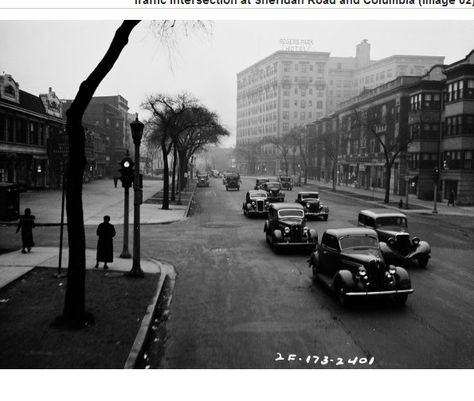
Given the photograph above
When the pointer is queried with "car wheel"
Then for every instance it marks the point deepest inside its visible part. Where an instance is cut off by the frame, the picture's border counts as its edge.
(422, 262)
(341, 294)
(400, 299)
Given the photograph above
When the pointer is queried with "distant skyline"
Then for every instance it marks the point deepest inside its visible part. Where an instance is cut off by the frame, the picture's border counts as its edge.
(60, 54)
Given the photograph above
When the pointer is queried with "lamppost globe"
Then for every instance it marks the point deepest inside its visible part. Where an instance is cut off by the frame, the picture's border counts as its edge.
(137, 129)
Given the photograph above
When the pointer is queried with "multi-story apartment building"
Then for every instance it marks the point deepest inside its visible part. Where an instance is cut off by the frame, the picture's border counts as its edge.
(425, 123)
(27, 122)
(289, 89)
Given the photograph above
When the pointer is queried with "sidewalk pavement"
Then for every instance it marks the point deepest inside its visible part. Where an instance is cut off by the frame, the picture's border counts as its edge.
(376, 196)
(100, 198)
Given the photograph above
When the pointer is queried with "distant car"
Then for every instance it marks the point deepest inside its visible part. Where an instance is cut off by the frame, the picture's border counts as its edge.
(259, 182)
(232, 181)
(395, 242)
(349, 262)
(202, 180)
(274, 192)
(312, 205)
(286, 227)
(286, 182)
(255, 203)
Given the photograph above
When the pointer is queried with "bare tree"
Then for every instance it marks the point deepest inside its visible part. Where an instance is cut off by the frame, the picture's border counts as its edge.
(250, 153)
(382, 125)
(283, 143)
(329, 144)
(74, 313)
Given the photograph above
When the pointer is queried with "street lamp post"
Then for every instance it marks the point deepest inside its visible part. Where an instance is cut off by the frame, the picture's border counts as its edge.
(126, 176)
(137, 132)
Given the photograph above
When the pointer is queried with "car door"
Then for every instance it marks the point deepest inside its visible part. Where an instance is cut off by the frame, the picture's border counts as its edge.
(326, 254)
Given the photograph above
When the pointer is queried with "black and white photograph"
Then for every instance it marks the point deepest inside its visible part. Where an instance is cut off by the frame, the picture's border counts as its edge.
(237, 194)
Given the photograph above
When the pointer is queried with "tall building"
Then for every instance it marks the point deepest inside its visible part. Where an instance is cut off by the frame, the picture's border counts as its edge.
(293, 88)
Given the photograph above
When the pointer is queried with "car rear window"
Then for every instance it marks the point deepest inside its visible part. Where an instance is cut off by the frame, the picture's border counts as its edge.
(290, 213)
(356, 241)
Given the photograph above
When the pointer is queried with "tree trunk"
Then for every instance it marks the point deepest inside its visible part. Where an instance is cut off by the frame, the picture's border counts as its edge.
(74, 314)
(166, 178)
(173, 176)
(388, 175)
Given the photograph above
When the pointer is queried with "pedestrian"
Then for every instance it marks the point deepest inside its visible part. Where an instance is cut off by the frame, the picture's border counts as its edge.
(451, 198)
(26, 223)
(400, 203)
(115, 181)
(105, 246)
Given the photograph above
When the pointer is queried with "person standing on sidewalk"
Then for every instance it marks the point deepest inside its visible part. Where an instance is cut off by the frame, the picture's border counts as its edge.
(26, 224)
(451, 198)
(105, 246)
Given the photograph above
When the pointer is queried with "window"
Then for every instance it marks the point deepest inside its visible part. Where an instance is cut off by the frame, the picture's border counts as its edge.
(296, 91)
(319, 104)
(303, 92)
(286, 115)
(467, 164)
(303, 115)
(286, 103)
(303, 104)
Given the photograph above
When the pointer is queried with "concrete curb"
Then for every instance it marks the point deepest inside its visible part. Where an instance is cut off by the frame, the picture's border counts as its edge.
(136, 352)
(190, 202)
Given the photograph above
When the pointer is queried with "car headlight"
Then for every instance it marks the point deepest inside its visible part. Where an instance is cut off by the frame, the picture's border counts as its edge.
(415, 241)
(362, 272)
(248, 205)
(253, 203)
(391, 269)
(305, 229)
(287, 230)
(391, 241)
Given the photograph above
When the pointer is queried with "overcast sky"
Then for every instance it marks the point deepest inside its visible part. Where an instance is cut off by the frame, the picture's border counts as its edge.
(60, 54)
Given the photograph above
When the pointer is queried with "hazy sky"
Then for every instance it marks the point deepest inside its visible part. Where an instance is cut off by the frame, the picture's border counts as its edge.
(60, 54)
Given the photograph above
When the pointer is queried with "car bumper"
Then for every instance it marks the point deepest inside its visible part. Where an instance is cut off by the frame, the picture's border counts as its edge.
(379, 293)
(299, 243)
(316, 214)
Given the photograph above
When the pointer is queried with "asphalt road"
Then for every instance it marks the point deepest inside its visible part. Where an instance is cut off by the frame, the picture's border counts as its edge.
(236, 304)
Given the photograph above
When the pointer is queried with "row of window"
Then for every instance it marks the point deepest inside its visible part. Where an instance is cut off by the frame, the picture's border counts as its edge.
(305, 67)
(19, 130)
(459, 125)
(461, 89)
(425, 101)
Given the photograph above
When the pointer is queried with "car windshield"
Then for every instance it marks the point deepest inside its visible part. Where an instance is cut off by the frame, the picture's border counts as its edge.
(391, 221)
(359, 241)
(310, 196)
(273, 186)
(285, 178)
(258, 195)
(284, 213)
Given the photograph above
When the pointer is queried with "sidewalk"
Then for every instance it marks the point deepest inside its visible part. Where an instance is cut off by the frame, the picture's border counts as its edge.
(100, 198)
(376, 196)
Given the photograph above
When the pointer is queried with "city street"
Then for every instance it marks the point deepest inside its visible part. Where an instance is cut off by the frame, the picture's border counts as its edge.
(236, 304)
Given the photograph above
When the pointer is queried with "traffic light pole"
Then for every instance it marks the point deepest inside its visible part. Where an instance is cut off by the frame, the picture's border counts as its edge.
(125, 253)
(435, 210)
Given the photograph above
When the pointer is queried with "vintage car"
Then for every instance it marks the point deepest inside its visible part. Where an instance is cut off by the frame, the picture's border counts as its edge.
(202, 180)
(274, 192)
(349, 262)
(259, 182)
(312, 205)
(255, 203)
(286, 227)
(395, 242)
(286, 182)
(232, 181)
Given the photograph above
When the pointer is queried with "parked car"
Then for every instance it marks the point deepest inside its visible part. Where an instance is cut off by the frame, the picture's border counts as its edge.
(286, 227)
(255, 203)
(232, 181)
(274, 192)
(395, 242)
(202, 180)
(349, 262)
(259, 182)
(312, 205)
(286, 182)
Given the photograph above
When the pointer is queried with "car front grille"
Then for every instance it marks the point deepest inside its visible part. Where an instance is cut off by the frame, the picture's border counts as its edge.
(376, 273)
(296, 233)
(314, 207)
(403, 243)
(260, 206)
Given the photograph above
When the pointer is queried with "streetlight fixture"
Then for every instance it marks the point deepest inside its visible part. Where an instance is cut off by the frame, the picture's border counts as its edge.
(137, 133)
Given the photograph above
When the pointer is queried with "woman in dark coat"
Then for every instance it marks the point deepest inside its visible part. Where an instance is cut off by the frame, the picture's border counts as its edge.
(105, 246)
(26, 224)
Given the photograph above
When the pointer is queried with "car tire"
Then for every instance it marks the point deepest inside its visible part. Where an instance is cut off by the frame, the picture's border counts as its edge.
(341, 294)
(422, 262)
(400, 299)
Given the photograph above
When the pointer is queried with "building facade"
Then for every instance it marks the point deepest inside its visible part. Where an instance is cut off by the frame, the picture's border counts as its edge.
(289, 89)
(26, 124)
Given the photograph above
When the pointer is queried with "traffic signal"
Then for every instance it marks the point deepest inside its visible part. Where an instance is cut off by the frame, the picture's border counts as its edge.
(126, 171)
(436, 174)
(445, 164)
